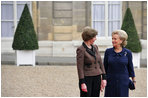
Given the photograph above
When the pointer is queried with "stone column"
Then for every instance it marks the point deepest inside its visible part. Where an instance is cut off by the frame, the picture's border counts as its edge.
(45, 20)
(34, 14)
(81, 17)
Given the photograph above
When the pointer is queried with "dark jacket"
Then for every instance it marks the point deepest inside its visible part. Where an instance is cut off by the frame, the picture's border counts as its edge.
(87, 63)
(118, 67)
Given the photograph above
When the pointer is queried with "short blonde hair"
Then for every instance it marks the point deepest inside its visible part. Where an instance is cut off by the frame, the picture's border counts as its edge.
(88, 33)
(123, 36)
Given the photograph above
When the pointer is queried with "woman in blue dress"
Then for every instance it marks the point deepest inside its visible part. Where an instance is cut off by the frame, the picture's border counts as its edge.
(118, 66)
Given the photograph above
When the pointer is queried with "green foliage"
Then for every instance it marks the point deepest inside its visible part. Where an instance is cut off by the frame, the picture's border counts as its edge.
(129, 27)
(25, 37)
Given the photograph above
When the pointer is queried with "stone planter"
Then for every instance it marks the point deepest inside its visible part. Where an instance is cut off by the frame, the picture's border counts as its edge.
(25, 57)
(136, 59)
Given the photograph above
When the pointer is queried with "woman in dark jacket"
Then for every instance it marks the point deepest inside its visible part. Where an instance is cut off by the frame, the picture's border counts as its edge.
(118, 66)
(89, 66)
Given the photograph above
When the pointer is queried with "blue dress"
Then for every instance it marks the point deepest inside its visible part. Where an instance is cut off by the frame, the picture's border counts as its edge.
(119, 68)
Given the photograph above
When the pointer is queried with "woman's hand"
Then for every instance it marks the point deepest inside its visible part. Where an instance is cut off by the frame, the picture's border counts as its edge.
(103, 84)
(134, 81)
(135, 85)
(84, 87)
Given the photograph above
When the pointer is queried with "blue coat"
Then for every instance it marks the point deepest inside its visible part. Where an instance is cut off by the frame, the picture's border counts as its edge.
(119, 68)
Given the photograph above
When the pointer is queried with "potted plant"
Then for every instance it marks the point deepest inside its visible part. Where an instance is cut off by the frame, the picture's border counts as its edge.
(133, 42)
(25, 40)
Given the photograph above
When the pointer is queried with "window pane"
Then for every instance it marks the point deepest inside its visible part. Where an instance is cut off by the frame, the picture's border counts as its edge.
(23, 2)
(114, 2)
(114, 16)
(114, 12)
(98, 12)
(98, 2)
(7, 2)
(7, 12)
(20, 10)
(7, 16)
(100, 27)
(113, 25)
(7, 29)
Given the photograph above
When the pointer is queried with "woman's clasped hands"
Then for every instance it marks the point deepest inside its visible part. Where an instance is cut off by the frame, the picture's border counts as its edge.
(103, 84)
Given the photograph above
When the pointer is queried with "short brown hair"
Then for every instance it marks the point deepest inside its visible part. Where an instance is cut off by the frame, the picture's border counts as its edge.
(88, 33)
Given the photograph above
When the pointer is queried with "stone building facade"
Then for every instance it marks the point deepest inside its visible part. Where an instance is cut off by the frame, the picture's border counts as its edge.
(61, 20)
(64, 20)
(59, 25)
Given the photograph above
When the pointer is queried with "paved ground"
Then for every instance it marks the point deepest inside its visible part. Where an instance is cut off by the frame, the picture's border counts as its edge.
(52, 81)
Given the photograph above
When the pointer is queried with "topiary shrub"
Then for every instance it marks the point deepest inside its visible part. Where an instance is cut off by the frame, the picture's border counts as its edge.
(25, 37)
(129, 27)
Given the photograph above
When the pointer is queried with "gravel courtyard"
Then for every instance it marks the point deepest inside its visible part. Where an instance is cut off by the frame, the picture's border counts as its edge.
(52, 81)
